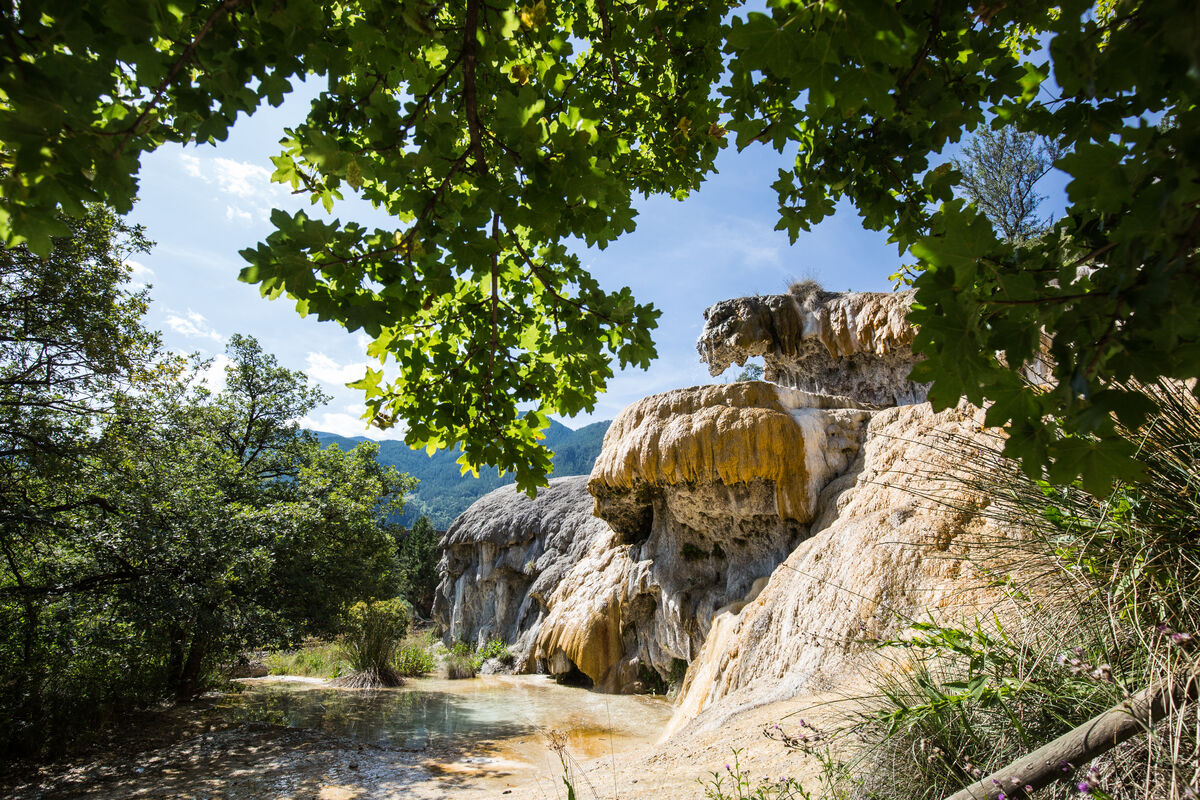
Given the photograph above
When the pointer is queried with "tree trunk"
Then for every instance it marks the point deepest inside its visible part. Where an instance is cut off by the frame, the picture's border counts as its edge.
(1061, 757)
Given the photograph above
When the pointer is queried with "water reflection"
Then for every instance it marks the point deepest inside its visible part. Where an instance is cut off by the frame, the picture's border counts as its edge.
(508, 710)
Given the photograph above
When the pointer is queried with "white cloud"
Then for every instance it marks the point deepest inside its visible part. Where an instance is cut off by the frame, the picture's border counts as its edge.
(751, 241)
(323, 368)
(214, 377)
(247, 187)
(238, 214)
(349, 423)
(193, 324)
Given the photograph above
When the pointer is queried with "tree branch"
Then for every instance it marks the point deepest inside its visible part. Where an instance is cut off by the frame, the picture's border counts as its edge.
(225, 7)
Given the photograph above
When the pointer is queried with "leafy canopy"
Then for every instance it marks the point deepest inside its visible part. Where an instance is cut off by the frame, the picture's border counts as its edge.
(496, 136)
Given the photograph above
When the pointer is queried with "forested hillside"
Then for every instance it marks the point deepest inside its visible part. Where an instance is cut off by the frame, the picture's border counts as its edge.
(444, 492)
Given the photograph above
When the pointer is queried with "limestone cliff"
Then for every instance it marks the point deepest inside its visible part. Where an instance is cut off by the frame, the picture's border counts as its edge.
(706, 490)
(712, 487)
(852, 344)
(503, 557)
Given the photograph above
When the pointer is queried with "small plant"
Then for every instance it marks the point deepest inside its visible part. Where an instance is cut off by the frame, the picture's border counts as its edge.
(494, 648)
(413, 658)
(736, 784)
(372, 633)
(458, 666)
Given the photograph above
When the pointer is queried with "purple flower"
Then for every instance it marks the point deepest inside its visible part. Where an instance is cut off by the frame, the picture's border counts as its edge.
(1084, 787)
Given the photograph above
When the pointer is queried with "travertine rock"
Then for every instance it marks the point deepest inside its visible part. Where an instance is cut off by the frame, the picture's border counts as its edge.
(751, 454)
(709, 488)
(853, 344)
(892, 544)
(755, 532)
(504, 556)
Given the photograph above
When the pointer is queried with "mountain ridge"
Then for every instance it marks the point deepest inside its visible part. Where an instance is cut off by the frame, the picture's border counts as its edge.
(444, 492)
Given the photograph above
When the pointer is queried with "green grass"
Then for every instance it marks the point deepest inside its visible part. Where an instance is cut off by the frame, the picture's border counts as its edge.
(414, 657)
(313, 660)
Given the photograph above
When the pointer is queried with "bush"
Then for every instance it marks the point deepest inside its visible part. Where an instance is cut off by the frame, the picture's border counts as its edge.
(413, 658)
(372, 632)
(494, 648)
(458, 666)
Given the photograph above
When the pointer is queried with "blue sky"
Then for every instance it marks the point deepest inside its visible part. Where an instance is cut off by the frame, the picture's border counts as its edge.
(204, 204)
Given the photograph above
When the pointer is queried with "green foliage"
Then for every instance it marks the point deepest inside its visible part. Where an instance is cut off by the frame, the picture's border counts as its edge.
(493, 648)
(459, 665)
(751, 372)
(414, 657)
(372, 632)
(496, 137)
(313, 660)
(150, 528)
(418, 555)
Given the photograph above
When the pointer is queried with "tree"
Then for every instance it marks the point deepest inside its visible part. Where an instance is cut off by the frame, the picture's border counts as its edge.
(495, 136)
(149, 528)
(1001, 169)
(752, 372)
(419, 553)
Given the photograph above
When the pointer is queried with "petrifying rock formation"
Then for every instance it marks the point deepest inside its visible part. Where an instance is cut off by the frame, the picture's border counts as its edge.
(891, 545)
(753, 532)
(853, 344)
(503, 557)
(706, 489)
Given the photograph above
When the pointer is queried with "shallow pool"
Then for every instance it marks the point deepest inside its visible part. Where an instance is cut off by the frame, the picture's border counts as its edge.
(486, 718)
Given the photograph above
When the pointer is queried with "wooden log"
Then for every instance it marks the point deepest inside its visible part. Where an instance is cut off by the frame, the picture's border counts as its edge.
(1077, 747)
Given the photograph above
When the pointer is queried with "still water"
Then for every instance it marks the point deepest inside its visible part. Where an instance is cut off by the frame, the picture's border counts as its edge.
(508, 716)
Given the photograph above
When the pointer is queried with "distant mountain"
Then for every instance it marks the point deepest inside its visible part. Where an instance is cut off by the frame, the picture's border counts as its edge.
(443, 493)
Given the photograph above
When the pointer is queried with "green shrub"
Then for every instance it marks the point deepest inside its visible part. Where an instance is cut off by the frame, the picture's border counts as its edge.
(459, 666)
(413, 657)
(494, 648)
(372, 632)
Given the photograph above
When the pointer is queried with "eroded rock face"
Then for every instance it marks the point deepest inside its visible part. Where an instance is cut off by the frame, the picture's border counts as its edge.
(755, 532)
(504, 556)
(893, 542)
(852, 344)
(735, 457)
(708, 488)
